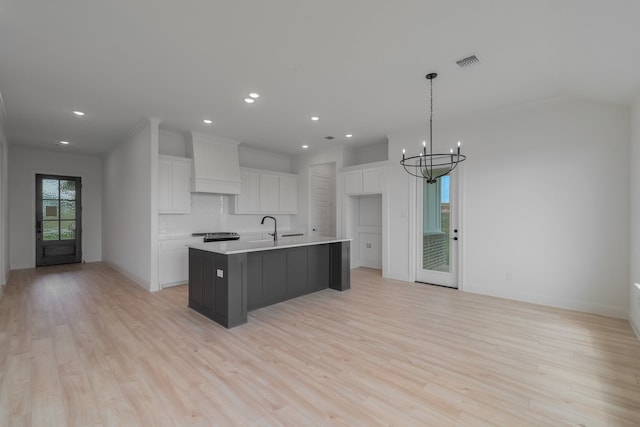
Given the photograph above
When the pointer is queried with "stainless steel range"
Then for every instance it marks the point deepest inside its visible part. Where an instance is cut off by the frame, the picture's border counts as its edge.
(217, 236)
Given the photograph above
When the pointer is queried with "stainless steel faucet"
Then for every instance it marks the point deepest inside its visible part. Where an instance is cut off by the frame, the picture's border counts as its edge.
(275, 227)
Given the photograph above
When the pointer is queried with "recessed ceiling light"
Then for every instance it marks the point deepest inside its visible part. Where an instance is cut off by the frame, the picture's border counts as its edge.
(305, 146)
(78, 113)
(348, 135)
(207, 122)
(254, 95)
(249, 100)
(64, 142)
(315, 118)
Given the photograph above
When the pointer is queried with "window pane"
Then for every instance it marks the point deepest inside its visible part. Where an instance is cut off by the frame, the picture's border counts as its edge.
(50, 230)
(67, 230)
(435, 228)
(67, 190)
(50, 209)
(49, 188)
(67, 210)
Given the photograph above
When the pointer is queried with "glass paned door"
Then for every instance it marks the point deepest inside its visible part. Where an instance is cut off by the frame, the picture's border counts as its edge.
(437, 242)
(58, 220)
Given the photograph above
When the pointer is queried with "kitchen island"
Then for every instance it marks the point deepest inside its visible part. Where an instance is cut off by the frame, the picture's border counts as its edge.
(228, 279)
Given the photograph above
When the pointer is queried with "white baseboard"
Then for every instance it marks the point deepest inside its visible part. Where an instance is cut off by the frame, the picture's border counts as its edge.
(134, 278)
(171, 285)
(635, 327)
(550, 301)
(371, 264)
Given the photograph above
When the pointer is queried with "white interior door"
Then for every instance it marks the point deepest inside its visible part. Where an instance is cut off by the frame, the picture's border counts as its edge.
(437, 225)
(322, 200)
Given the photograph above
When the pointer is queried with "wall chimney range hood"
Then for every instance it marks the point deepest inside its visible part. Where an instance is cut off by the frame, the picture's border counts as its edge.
(216, 167)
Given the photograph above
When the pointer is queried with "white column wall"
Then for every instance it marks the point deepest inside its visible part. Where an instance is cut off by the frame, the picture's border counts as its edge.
(634, 292)
(4, 203)
(545, 204)
(130, 206)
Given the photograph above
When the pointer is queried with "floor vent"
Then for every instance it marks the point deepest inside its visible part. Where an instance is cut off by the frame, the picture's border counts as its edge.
(468, 61)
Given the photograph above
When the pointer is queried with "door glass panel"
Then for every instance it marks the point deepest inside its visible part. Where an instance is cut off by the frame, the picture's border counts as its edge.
(50, 209)
(67, 230)
(67, 190)
(436, 211)
(67, 210)
(49, 188)
(50, 230)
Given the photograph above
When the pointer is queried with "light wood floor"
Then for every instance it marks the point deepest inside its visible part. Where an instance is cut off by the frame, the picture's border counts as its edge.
(81, 345)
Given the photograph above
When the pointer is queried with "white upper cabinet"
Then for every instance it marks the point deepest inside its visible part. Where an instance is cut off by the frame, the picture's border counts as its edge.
(372, 180)
(288, 194)
(174, 185)
(248, 201)
(269, 193)
(266, 192)
(364, 181)
(354, 182)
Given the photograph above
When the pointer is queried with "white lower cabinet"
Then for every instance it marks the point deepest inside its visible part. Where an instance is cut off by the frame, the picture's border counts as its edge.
(174, 261)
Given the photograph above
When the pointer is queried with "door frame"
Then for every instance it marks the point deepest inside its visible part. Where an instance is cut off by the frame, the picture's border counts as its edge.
(415, 228)
(32, 186)
(41, 244)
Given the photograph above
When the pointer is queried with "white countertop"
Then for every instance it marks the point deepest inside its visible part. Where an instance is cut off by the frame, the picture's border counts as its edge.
(241, 246)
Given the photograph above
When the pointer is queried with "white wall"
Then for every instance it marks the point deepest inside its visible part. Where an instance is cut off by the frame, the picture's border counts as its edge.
(634, 258)
(4, 203)
(210, 212)
(171, 143)
(545, 204)
(174, 144)
(366, 154)
(130, 206)
(25, 164)
(260, 159)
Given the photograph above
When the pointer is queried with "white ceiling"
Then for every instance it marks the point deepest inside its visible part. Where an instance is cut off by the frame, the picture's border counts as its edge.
(358, 64)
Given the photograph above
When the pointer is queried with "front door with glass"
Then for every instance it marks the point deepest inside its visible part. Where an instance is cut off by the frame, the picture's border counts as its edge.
(438, 228)
(58, 220)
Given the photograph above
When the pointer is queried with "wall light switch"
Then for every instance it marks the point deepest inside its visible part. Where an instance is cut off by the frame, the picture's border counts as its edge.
(220, 273)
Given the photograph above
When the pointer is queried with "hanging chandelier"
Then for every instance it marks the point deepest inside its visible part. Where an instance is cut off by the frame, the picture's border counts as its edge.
(431, 166)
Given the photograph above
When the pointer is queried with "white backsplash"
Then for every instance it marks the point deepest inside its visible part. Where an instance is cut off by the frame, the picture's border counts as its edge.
(210, 212)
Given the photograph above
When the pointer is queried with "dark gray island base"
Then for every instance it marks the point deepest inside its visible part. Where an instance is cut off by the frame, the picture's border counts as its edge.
(224, 287)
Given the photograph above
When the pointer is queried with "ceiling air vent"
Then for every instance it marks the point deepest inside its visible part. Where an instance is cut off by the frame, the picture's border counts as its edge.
(468, 61)
(329, 137)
